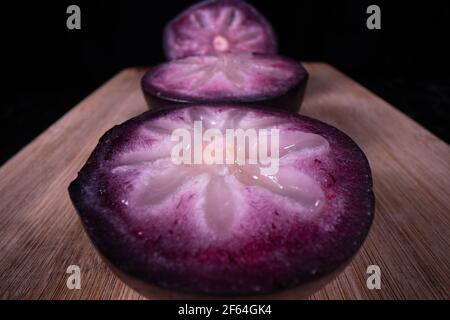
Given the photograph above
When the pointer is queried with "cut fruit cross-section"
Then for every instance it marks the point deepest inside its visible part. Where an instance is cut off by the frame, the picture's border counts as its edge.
(225, 228)
(245, 77)
(218, 26)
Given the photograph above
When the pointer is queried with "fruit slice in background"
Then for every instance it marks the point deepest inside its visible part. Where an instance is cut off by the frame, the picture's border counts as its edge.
(218, 26)
(225, 229)
(265, 79)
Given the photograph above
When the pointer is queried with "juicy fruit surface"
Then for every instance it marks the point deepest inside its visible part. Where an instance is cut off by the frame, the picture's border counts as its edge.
(218, 26)
(225, 228)
(224, 77)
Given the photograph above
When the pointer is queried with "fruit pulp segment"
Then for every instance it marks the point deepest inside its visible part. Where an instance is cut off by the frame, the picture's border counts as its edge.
(216, 27)
(224, 77)
(154, 177)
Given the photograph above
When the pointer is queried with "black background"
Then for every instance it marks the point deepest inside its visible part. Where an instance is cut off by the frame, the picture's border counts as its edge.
(168, 309)
(47, 68)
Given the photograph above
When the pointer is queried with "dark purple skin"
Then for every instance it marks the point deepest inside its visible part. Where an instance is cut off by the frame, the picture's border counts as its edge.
(196, 35)
(288, 96)
(246, 265)
(291, 100)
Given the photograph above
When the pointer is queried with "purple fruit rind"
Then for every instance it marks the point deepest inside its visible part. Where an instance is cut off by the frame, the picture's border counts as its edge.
(270, 47)
(231, 270)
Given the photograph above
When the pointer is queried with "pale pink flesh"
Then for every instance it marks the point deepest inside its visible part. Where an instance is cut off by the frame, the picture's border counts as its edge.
(219, 205)
(155, 178)
(218, 29)
(224, 76)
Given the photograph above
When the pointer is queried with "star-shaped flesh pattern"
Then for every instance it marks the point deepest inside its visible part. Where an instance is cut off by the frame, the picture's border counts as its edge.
(225, 228)
(217, 27)
(244, 77)
(155, 177)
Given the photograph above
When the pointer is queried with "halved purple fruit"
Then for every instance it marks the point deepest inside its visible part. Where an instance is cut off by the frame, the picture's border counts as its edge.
(264, 79)
(228, 229)
(218, 26)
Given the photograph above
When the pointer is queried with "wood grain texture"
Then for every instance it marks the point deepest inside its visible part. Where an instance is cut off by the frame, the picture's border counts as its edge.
(40, 235)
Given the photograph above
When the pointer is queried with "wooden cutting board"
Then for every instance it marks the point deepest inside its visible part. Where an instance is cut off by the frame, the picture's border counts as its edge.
(40, 234)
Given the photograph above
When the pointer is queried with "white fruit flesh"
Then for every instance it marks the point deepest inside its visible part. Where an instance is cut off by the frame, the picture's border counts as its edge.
(225, 76)
(153, 179)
